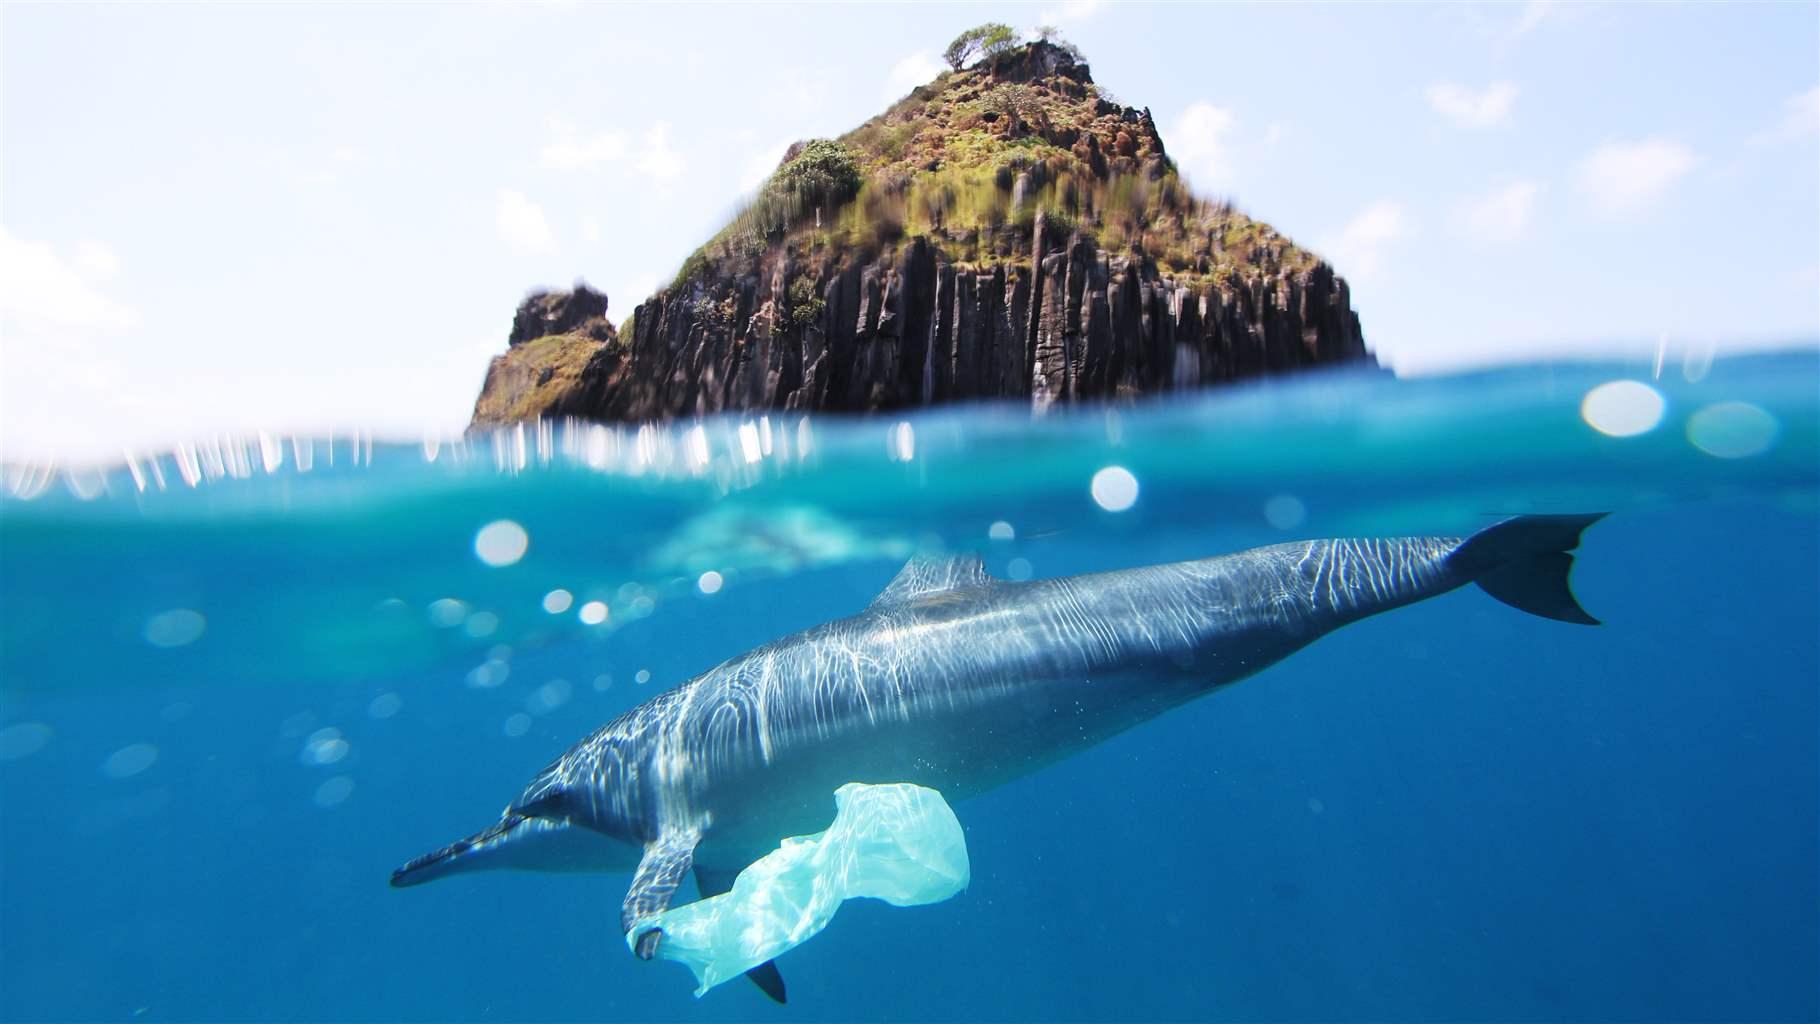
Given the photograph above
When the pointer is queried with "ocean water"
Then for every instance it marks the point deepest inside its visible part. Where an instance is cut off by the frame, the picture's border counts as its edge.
(241, 681)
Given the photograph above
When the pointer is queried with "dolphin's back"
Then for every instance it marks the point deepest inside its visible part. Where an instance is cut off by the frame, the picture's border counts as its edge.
(967, 688)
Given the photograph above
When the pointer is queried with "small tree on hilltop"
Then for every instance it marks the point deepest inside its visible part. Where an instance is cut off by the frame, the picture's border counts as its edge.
(988, 40)
(999, 39)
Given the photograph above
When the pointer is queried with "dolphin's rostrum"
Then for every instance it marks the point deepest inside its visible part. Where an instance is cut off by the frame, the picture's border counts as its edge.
(957, 681)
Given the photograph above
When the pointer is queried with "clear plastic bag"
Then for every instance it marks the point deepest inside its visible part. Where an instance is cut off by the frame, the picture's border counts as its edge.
(900, 843)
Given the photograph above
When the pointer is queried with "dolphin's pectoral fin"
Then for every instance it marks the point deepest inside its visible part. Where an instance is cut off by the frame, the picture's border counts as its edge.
(667, 859)
(766, 975)
(922, 576)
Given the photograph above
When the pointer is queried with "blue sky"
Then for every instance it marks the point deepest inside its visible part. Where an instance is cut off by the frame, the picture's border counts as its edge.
(296, 217)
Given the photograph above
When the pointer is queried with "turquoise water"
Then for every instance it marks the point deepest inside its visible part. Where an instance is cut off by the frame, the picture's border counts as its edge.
(242, 681)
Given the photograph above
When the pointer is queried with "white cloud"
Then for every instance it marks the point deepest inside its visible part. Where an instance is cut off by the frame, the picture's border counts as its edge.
(590, 229)
(96, 259)
(1628, 177)
(521, 222)
(1501, 215)
(1358, 251)
(570, 150)
(1273, 134)
(1072, 10)
(1800, 118)
(1534, 13)
(318, 169)
(38, 285)
(1198, 142)
(59, 344)
(1470, 109)
(911, 72)
(799, 88)
(656, 159)
(761, 164)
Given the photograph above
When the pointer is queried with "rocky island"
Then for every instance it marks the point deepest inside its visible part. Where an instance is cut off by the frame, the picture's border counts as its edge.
(1007, 231)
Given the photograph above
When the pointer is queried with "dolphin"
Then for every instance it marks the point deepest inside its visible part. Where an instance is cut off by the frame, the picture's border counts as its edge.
(961, 682)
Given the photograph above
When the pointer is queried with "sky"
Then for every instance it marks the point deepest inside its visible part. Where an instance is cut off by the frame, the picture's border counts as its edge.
(222, 218)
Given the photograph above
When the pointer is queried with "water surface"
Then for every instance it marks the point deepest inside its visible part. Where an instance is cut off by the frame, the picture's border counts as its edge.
(243, 680)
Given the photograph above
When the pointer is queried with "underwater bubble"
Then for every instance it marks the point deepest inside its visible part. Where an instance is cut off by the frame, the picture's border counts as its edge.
(296, 725)
(448, 613)
(709, 583)
(593, 613)
(1623, 408)
(558, 601)
(1316, 805)
(385, 706)
(175, 628)
(1285, 511)
(642, 677)
(489, 673)
(23, 740)
(1115, 489)
(1018, 569)
(481, 624)
(603, 682)
(500, 652)
(1732, 430)
(325, 746)
(1001, 530)
(176, 711)
(549, 697)
(129, 761)
(333, 791)
(517, 724)
(501, 543)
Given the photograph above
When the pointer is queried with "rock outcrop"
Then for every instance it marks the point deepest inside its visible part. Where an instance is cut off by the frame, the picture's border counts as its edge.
(915, 329)
(544, 313)
(1014, 234)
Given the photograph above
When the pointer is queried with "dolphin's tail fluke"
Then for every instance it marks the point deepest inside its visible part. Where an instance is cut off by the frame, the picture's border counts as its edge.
(1524, 562)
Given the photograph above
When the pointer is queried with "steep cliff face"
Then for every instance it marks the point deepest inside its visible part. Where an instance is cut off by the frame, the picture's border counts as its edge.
(1005, 232)
(913, 328)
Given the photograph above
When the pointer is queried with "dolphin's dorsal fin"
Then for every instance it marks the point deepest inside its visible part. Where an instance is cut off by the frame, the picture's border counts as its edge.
(922, 575)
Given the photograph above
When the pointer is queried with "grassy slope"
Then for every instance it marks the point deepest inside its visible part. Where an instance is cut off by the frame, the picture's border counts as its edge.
(970, 158)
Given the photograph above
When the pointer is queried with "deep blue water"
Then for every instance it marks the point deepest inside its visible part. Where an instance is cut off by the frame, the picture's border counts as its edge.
(1450, 812)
